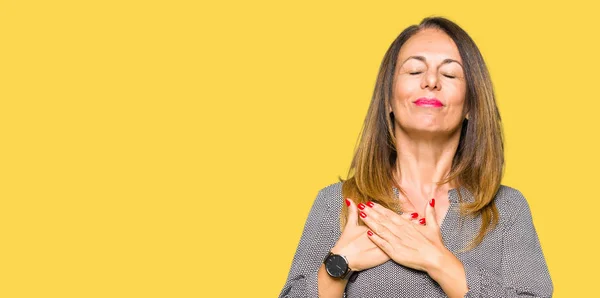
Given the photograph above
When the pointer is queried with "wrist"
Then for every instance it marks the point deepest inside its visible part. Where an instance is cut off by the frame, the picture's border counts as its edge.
(329, 286)
(448, 271)
(337, 266)
(347, 255)
(442, 264)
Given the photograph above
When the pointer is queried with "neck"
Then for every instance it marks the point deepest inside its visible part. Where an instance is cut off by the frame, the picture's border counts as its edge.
(423, 161)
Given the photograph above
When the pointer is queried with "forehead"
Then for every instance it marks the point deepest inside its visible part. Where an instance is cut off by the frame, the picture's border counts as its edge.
(433, 44)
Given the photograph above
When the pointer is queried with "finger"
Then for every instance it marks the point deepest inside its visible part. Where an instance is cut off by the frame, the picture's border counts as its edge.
(390, 248)
(430, 214)
(391, 215)
(378, 223)
(385, 246)
(352, 213)
(410, 215)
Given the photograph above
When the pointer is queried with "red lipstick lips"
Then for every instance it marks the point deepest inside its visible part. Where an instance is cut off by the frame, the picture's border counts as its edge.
(428, 102)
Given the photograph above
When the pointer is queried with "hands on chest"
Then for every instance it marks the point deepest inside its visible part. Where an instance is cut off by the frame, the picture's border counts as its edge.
(406, 239)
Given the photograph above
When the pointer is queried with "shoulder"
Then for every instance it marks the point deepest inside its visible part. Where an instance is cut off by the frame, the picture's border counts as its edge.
(511, 203)
(509, 197)
(332, 189)
(331, 194)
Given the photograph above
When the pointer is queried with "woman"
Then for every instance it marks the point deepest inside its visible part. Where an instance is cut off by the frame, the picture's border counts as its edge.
(423, 213)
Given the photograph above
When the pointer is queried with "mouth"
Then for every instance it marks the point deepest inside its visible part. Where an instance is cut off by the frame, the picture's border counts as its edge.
(428, 102)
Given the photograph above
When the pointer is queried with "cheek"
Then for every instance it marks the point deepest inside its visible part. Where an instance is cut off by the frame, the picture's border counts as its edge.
(456, 104)
(455, 94)
(404, 89)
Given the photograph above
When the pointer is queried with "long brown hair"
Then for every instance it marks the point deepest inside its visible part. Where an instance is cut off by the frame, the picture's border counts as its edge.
(479, 159)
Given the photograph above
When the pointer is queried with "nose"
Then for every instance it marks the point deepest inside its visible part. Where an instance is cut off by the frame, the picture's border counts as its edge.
(431, 81)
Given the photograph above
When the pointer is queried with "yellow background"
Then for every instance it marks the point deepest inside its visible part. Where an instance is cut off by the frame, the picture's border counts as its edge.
(174, 148)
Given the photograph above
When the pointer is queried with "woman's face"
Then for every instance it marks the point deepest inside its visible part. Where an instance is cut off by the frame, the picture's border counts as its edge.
(429, 88)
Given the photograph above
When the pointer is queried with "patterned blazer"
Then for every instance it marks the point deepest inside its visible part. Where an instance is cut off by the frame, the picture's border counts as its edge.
(508, 263)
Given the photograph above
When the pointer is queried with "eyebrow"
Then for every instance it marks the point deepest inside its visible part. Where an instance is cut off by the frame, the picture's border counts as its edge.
(422, 59)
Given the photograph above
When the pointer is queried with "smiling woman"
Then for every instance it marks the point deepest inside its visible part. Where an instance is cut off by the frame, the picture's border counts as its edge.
(423, 213)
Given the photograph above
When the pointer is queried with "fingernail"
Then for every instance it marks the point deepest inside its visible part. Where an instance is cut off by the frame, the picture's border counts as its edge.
(422, 221)
(347, 202)
(432, 203)
(414, 215)
(361, 206)
(369, 233)
(362, 214)
(370, 204)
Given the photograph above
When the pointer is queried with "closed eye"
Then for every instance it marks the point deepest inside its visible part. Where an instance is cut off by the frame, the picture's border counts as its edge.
(449, 76)
(415, 73)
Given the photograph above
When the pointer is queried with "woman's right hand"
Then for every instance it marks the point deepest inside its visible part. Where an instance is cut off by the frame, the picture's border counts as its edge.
(355, 245)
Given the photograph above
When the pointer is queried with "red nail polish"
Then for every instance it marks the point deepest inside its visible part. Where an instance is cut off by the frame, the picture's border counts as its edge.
(369, 233)
(361, 206)
(414, 215)
(347, 202)
(422, 221)
(432, 203)
(370, 204)
(362, 214)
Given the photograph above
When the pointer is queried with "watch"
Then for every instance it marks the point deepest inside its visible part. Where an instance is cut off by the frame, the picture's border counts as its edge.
(337, 266)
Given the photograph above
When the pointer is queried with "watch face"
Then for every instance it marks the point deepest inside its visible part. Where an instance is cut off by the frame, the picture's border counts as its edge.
(336, 265)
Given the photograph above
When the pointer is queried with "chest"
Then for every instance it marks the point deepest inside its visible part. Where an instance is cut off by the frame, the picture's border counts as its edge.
(393, 280)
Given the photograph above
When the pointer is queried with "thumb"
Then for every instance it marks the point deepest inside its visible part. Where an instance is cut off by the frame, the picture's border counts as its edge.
(430, 215)
(352, 213)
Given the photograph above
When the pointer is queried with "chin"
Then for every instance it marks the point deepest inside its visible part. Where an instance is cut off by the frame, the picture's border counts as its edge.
(425, 124)
(425, 129)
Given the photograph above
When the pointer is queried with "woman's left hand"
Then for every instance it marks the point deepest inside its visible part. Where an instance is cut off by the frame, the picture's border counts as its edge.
(409, 243)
